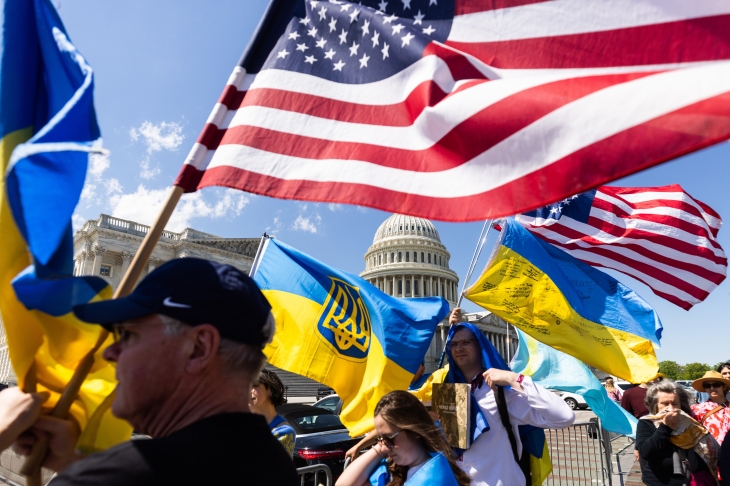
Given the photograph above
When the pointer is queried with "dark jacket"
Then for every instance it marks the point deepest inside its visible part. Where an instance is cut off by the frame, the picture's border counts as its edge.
(656, 451)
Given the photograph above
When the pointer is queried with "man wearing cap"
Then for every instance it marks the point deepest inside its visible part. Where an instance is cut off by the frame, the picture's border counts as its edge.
(713, 414)
(188, 346)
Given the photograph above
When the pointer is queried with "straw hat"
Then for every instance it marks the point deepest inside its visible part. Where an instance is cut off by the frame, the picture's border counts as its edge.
(710, 376)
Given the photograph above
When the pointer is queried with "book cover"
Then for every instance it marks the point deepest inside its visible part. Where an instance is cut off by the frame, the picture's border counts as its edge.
(452, 401)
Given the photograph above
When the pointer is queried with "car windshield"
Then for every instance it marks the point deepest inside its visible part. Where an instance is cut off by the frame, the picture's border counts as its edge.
(329, 403)
(318, 423)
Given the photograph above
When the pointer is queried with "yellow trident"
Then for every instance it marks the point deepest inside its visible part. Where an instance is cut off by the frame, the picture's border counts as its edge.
(346, 315)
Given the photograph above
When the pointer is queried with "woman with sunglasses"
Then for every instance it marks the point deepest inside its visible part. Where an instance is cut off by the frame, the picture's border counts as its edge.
(411, 450)
(713, 414)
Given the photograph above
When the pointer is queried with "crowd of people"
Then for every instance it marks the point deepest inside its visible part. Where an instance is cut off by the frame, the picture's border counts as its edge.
(188, 351)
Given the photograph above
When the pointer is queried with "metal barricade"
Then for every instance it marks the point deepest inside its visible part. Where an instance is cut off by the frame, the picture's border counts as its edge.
(315, 471)
(581, 455)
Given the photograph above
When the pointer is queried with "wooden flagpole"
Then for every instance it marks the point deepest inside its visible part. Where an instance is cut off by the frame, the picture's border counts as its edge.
(32, 465)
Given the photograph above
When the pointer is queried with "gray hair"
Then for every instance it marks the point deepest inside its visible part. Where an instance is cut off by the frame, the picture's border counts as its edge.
(670, 387)
(238, 358)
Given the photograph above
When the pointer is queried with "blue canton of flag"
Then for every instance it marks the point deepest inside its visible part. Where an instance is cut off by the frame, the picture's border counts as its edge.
(577, 207)
(359, 43)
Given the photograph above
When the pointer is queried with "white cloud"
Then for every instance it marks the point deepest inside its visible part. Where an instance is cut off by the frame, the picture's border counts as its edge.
(335, 207)
(147, 173)
(164, 135)
(308, 224)
(98, 164)
(77, 221)
(275, 226)
(144, 204)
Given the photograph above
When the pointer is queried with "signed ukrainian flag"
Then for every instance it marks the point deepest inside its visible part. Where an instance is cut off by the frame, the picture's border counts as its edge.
(338, 329)
(569, 305)
(47, 130)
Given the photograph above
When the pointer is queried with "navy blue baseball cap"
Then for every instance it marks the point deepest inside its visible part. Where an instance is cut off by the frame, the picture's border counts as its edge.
(194, 291)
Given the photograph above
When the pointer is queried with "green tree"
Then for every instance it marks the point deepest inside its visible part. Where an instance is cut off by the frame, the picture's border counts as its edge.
(672, 369)
(721, 362)
(692, 371)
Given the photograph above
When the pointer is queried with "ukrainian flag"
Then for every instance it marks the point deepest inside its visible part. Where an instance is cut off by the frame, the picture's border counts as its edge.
(340, 330)
(569, 305)
(47, 129)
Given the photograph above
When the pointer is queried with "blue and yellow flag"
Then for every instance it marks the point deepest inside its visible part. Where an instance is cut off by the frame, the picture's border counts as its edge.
(569, 305)
(552, 369)
(338, 329)
(47, 129)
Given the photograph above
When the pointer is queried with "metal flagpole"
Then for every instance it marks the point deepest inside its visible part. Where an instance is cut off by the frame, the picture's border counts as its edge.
(33, 462)
(472, 264)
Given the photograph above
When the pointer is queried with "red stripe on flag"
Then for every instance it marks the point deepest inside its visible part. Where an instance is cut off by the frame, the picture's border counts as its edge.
(610, 159)
(694, 40)
(464, 142)
(472, 6)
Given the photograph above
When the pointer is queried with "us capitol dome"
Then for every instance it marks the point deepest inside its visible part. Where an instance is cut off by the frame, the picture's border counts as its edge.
(407, 259)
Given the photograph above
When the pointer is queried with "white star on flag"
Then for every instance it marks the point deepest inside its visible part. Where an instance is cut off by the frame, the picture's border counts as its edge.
(418, 18)
(304, 21)
(333, 24)
(384, 50)
(282, 54)
(353, 15)
(302, 47)
(312, 32)
(397, 28)
(345, 7)
(320, 43)
(432, 2)
(329, 54)
(294, 35)
(406, 4)
(429, 30)
(387, 20)
(364, 61)
(314, 4)
(310, 59)
(322, 13)
(407, 39)
(366, 27)
(375, 39)
(338, 66)
(353, 49)
(343, 36)
(382, 5)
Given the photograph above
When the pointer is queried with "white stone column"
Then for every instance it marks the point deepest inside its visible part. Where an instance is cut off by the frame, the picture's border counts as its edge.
(98, 254)
(395, 289)
(413, 285)
(79, 264)
(153, 263)
(423, 288)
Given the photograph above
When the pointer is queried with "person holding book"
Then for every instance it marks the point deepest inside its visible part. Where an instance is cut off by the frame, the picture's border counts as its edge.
(410, 450)
(505, 401)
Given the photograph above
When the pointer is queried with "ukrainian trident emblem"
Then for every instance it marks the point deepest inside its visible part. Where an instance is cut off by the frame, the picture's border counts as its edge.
(345, 321)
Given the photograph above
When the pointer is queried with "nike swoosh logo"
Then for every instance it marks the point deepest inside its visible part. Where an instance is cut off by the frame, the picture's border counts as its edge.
(170, 303)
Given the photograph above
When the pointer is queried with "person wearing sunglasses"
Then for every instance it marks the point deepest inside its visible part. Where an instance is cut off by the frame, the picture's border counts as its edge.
(410, 449)
(713, 414)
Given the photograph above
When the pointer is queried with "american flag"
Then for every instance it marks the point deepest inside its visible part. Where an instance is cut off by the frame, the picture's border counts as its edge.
(462, 110)
(661, 236)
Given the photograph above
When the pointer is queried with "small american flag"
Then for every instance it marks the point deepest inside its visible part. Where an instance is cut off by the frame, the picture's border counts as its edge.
(462, 110)
(661, 236)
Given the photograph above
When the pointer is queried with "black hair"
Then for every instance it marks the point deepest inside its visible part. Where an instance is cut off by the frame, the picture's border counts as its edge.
(273, 384)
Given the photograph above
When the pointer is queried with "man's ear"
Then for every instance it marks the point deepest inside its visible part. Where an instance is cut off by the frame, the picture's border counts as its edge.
(206, 341)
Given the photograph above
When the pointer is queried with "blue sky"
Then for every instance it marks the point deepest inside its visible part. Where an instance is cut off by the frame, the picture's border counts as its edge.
(160, 66)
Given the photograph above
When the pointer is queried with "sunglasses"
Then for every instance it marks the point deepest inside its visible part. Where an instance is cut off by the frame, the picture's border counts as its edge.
(712, 385)
(464, 343)
(389, 440)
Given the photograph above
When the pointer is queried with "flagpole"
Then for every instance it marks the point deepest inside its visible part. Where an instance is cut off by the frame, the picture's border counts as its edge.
(470, 270)
(33, 462)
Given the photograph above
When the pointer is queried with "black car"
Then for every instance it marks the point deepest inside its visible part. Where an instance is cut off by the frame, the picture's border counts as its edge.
(321, 437)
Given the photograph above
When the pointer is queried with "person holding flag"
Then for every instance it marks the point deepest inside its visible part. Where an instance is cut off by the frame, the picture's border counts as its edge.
(504, 399)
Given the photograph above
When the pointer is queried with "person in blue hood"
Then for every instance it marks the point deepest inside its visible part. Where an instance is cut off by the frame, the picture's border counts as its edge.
(492, 458)
(411, 450)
